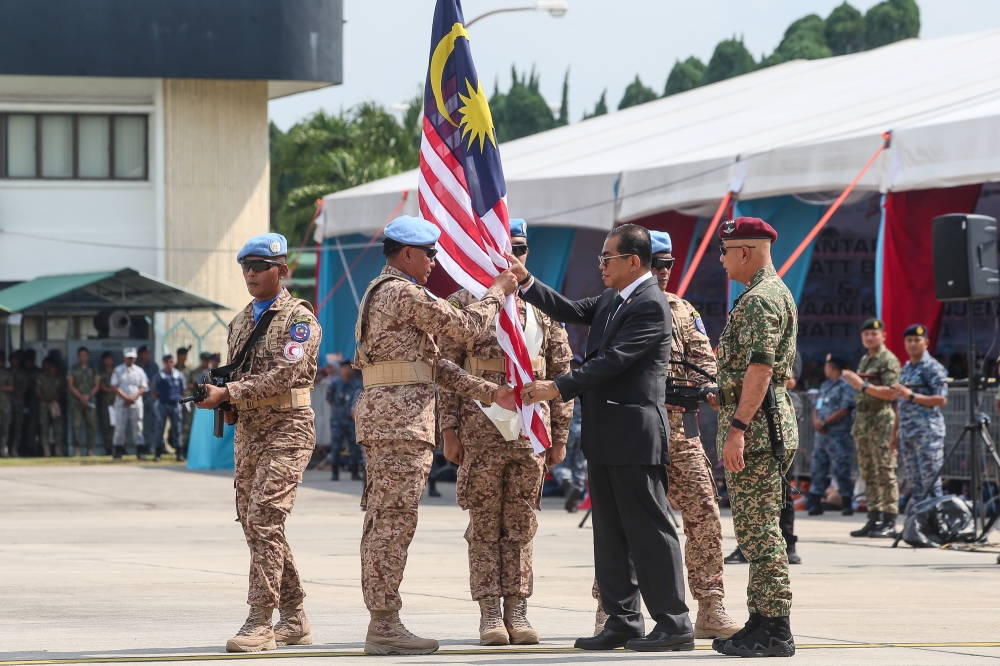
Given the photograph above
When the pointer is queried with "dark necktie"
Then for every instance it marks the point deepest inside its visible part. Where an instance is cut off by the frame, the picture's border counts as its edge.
(615, 304)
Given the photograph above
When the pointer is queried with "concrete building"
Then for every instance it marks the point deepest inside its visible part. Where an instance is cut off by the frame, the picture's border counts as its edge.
(135, 133)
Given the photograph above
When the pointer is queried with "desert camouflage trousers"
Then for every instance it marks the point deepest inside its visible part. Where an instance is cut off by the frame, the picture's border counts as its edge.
(691, 488)
(500, 486)
(266, 483)
(397, 472)
(757, 495)
(876, 461)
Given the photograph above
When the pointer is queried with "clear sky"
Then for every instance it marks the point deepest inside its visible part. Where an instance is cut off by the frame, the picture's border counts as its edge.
(604, 43)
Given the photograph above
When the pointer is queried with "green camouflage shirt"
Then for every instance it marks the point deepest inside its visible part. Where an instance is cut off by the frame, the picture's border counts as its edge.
(50, 387)
(84, 378)
(6, 379)
(762, 328)
(884, 364)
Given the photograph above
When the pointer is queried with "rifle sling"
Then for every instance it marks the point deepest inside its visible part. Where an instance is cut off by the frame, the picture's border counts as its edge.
(255, 335)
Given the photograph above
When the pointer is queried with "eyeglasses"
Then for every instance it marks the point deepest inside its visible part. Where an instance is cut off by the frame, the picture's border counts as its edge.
(659, 263)
(431, 252)
(604, 260)
(519, 250)
(723, 247)
(258, 265)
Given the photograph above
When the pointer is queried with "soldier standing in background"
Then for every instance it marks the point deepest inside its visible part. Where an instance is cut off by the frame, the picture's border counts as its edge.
(150, 367)
(31, 401)
(83, 386)
(500, 476)
(690, 482)
(187, 412)
(395, 414)
(755, 355)
(872, 430)
(130, 384)
(18, 403)
(833, 446)
(918, 434)
(6, 393)
(269, 391)
(106, 400)
(50, 415)
(341, 394)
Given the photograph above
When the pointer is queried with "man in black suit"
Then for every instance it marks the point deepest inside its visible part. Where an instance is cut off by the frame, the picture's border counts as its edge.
(625, 437)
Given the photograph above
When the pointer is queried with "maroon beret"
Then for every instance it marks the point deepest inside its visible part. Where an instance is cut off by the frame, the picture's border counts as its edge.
(747, 227)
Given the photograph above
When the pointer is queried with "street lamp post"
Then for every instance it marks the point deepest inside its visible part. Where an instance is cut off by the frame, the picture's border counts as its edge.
(555, 8)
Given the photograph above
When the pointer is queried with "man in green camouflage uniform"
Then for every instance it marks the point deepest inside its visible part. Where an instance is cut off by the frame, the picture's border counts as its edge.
(106, 400)
(756, 353)
(877, 372)
(6, 392)
(83, 387)
(50, 415)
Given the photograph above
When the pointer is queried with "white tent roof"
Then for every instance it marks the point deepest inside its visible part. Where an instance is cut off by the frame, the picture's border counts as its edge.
(800, 127)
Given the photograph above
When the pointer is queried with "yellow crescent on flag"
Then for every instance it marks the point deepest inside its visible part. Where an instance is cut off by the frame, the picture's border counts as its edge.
(442, 52)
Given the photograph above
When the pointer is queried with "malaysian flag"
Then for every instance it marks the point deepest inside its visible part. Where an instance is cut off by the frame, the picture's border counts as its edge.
(462, 191)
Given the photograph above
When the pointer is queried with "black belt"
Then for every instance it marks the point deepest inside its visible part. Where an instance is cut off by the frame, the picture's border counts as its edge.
(731, 396)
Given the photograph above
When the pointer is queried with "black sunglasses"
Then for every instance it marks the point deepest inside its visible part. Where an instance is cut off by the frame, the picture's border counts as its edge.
(258, 265)
(519, 250)
(723, 247)
(431, 252)
(659, 263)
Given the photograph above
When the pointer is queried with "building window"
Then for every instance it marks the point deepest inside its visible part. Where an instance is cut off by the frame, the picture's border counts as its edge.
(81, 146)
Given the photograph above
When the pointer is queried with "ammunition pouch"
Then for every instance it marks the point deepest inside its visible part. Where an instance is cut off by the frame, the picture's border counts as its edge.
(296, 398)
(397, 373)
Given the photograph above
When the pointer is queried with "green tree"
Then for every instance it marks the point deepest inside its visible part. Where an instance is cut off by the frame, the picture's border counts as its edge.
(804, 40)
(730, 59)
(563, 118)
(844, 30)
(636, 93)
(891, 21)
(326, 153)
(684, 76)
(522, 110)
(600, 108)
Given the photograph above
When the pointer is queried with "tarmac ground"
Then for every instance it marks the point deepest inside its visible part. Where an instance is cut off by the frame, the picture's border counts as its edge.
(145, 563)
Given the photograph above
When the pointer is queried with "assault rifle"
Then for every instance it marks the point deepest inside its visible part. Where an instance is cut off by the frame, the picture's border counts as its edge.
(681, 392)
(199, 393)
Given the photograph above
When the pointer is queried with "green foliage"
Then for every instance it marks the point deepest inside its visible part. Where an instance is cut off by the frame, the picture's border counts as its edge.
(636, 93)
(600, 108)
(804, 39)
(891, 21)
(563, 118)
(844, 30)
(522, 110)
(684, 76)
(326, 153)
(730, 59)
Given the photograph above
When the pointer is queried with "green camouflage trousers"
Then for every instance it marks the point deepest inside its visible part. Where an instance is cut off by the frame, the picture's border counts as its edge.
(757, 495)
(45, 422)
(876, 462)
(81, 416)
(5, 416)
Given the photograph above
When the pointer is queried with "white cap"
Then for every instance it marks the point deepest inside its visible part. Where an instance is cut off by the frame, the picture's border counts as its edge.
(130, 352)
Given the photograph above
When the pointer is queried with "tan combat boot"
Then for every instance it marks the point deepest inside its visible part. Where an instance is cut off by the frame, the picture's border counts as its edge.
(515, 618)
(713, 621)
(293, 627)
(387, 635)
(256, 634)
(491, 628)
(600, 619)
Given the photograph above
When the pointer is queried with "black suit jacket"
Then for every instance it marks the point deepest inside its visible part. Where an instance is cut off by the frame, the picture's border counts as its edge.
(622, 382)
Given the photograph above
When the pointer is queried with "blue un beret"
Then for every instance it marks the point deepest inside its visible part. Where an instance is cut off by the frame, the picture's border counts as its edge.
(661, 241)
(265, 245)
(518, 227)
(409, 230)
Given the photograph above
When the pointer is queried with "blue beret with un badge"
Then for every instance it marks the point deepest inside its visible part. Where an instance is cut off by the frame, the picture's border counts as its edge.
(661, 241)
(265, 245)
(518, 227)
(409, 230)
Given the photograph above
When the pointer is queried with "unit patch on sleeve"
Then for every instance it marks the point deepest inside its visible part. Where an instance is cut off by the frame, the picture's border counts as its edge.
(698, 323)
(299, 332)
(294, 352)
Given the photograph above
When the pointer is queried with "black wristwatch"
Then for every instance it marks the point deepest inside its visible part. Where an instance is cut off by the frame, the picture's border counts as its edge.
(865, 386)
(912, 398)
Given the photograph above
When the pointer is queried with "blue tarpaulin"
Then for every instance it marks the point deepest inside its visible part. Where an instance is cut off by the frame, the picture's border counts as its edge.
(793, 220)
(549, 253)
(205, 451)
(338, 312)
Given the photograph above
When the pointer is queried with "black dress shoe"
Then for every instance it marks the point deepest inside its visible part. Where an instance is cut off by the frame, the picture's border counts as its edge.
(606, 640)
(661, 641)
(736, 557)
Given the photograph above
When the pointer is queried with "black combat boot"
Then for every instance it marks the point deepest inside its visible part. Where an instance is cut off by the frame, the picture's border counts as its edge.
(874, 518)
(572, 495)
(817, 505)
(847, 508)
(736, 557)
(771, 638)
(886, 528)
(719, 644)
(793, 557)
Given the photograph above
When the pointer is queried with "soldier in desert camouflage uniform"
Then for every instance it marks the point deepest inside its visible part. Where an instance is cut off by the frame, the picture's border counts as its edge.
(500, 479)
(872, 429)
(757, 348)
(395, 413)
(275, 436)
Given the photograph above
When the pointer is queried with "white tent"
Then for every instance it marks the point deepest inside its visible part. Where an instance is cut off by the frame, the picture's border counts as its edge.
(801, 127)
